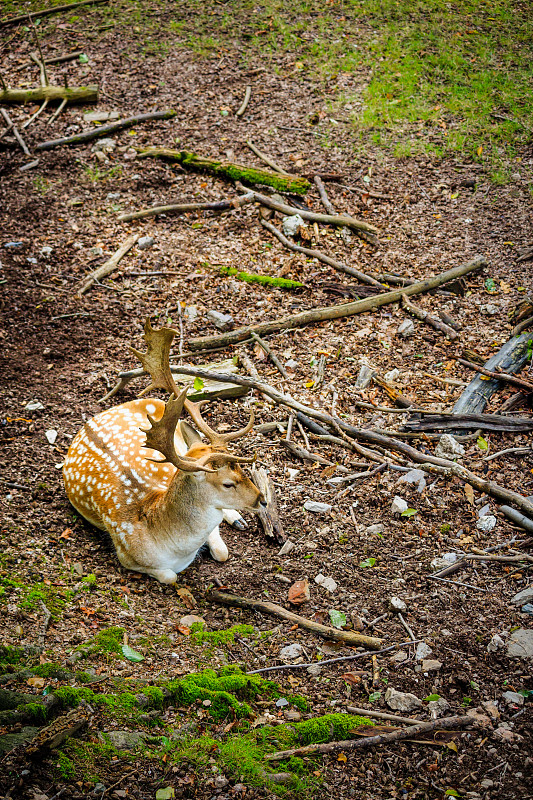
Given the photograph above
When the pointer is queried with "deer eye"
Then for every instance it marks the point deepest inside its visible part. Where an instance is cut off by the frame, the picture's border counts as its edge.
(228, 485)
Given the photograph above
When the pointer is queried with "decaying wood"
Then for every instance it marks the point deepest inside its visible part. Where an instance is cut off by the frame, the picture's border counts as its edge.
(423, 316)
(449, 320)
(56, 59)
(328, 205)
(266, 159)
(104, 130)
(184, 208)
(336, 311)
(46, 12)
(11, 126)
(269, 516)
(386, 738)
(77, 94)
(109, 265)
(274, 610)
(525, 325)
(270, 353)
(518, 518)
(499, 376)
(395, 395)
(244, 104)
(491, 422)
(227, 169)
(370, 712)
(305, 455)
(338, 220)
(332, 262)
(510, 358)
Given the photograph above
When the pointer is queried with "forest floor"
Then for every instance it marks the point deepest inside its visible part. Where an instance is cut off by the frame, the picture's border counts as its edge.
(436, 206)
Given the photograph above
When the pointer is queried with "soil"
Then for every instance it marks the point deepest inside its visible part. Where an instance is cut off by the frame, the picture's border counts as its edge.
(65, 352)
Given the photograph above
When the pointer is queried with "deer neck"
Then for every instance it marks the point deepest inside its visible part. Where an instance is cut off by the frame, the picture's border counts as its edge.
(184, 515)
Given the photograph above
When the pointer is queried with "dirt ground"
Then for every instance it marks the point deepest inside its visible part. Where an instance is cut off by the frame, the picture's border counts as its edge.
(58, 222)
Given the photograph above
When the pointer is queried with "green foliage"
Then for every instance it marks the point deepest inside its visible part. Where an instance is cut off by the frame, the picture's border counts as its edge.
(264, 280)
(108, 641)
(86, 760)
(216, 638)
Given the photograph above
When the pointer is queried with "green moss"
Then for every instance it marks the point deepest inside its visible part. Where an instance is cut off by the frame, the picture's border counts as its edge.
(12, 655)
(155, 696)
(217, 638)
(66, 767)
(108, 641)
(86, 760)
(264, 280)
(36, 711)
(51, 670)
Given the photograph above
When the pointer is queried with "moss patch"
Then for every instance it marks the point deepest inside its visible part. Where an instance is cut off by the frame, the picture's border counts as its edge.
(264, 280)
(107, 641)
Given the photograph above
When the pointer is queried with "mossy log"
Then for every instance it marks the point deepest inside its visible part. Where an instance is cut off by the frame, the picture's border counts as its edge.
(227, 169)
(77, 94)
(264, 280)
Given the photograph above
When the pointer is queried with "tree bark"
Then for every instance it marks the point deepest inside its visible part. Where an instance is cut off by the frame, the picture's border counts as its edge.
(79, 94)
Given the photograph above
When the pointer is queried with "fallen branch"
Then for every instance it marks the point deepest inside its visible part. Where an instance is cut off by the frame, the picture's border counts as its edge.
(422, 315)
(332, 262)
(56, 59)
(270, 353)
(384, 738)
(370, 712)
(314, 458)
(499, 376)
(109, 265)
(184, 208)
(336, 311)
(272, 609)
(338, 220)
(78, 94)
(11, 126)
(328, 205)
(244, 105)
(269, 516)
(227, 169)
(103, 130)
(46, 12)
(266, 159)
(492, 422)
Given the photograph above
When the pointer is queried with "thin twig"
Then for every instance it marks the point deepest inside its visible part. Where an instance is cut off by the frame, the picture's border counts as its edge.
(244, 105)
(37, 113)
(328, 206)
(58, 111)
(266, 159)
(457, 583)
(109, 265)
(273, 357)
(370, 712)
(331, 660)
(406, 626)
(15, 130)
(42, 67)
(521, 450)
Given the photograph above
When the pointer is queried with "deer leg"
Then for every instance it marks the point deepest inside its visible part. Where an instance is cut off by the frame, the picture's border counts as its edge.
(217, 546)
(233, 518)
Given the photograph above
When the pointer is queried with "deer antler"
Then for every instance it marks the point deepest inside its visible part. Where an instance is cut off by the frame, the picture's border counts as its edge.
(217, 439)
(156, 359)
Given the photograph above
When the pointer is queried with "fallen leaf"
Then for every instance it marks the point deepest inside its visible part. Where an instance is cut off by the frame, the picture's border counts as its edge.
(131, 654)
(36, 681)
(338, 618)
(184, 630)
(66, 533)
(469, 492)
(342, 758)
(352, 678)
(452, 746)
(187, 597)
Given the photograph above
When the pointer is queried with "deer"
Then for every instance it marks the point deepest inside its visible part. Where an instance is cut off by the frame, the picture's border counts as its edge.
(158, 512)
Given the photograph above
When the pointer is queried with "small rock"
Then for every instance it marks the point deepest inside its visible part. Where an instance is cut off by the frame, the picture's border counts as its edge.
(31, 260)
(99, 788)
(282, 702)
(13, 245)
(299, 592)
(104, 145)
(100, 116)
(513, 698)
(291, 652)
(221, 321)
(393, 375)
(95, 252)
(51, 436)
(486, 783)
(520, 644)
(239, 788)
(287, 547)
(78, 568)
(423, 650)
(431, 665)
(402, 701)
(291, 365)
(437, 708)
(406, 329)
(376, 528)
(507, 736)
(449, 447)
(491, 709)
(190, 619)
(525, 596)
(123, 740)
(482, 719)
(292, 473)
(317, 508)
(292, 715)
(281, 778)
(398, 505)
(527, 609)
(145, 242)
(415, 476)
(443, 561)
(495, 643)
(46, 251)
(484, 510)
(190, 313)
(491, 309)
(34, 405)
(220, 782)
(314, 670)
(101, 156)
(326, 583)
(397, 605)
(366, 373)
(291, 225)
(486, 523)
(399, 657)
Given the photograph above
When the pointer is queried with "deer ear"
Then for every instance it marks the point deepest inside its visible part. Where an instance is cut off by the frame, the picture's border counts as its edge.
(190, 435)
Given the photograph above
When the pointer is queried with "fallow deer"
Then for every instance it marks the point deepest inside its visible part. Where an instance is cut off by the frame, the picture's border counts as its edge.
(159, 513)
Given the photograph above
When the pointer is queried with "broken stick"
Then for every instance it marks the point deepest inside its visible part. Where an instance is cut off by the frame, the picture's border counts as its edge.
(184, 208)
(269, 516)
(526, 386)
(422, 315)
(272, 609)
(384, 738)
(109, 265)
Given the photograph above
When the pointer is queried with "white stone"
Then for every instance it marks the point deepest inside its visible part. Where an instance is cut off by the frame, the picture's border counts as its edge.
(495, 644)
(486, 523)
(523, 597)
(34, 405)
(438, 707)
(291, 225)
(366, 373)
(317, 508)
(291, 652)
(287, 547)
(326, 583)
(402, 701)
(520, 644)
(377, 527)
(444, 561)
(397, 604)
(398, 657)
(393, 375)
(406, 329)
(292, 473)
(145, 242)
(449, 447)
(431, 665)
(105, 145)
(190, 313)
(51, 436)
(513, 698)
(398, 505)
(423, 650)
(415, 476)
(221, 321)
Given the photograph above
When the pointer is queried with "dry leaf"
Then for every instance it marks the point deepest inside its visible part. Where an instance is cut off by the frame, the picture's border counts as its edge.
(328, 471)
(187, 597)
(36, 681)
(184, 630)
(469, 492)
(342, 758)
(351, 678)
(66, 533)
(452, 746)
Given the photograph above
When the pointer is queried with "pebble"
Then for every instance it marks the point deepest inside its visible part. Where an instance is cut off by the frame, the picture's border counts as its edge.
(527, 609)
(484, 510)
(291, 365)
(34, 405)
(438, 707)
(449, 447)
(46, 251)
(402, 701)
(326, 583)
(290, 653)
(444, 561)
(287, 547)
(406, 329)
(525, 596)
(393, 375)
(292, 715)
(104, 145)
(317, 508)
(431, 665)
(397, 605)
(291, 225)
(398, 657)
(366, 373)
(520, 644)
(513, 698)
(282, 702)
(398, 505)
(414, 476)
(190, 313)
(486, 523)
(376, 528)
(220, 782)
(190, 619)
(51, 436)
(490, 309)
(495, 643)
(221, 321)
(423, 650)
(292, 473)
(145, 242)
(491, 709)
(314, 669)
(100, 116)
(13, 245)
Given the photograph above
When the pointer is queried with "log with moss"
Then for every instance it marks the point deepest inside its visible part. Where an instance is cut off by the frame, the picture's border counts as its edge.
(77, 94)
(227, 169)
(264, 280)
